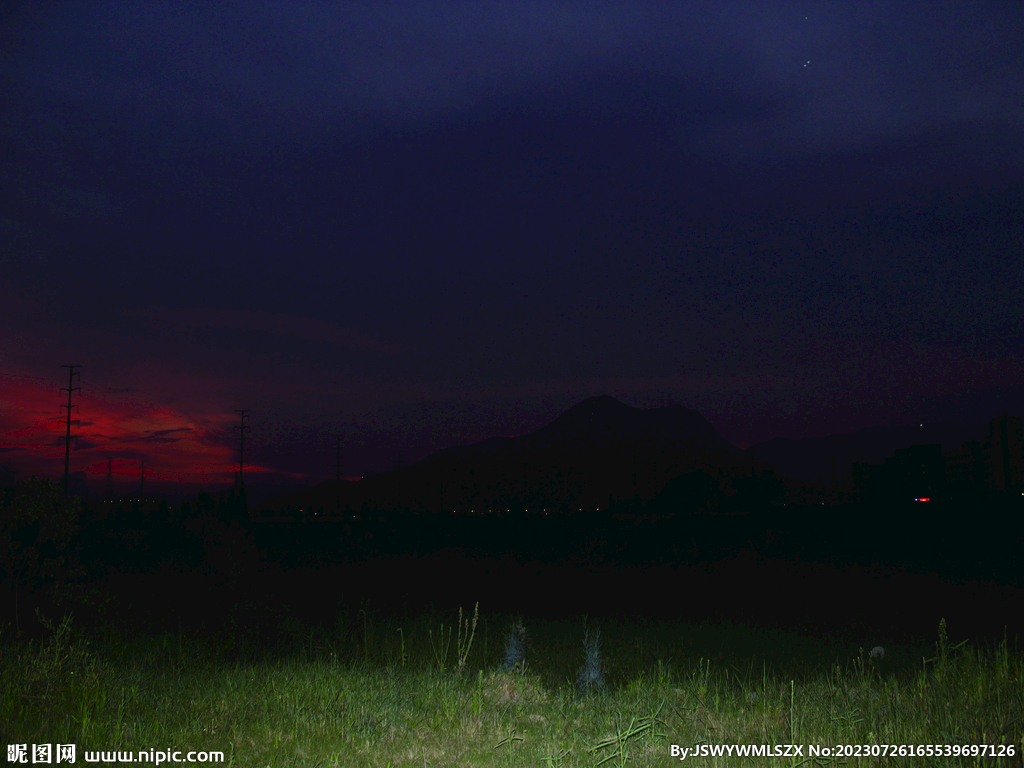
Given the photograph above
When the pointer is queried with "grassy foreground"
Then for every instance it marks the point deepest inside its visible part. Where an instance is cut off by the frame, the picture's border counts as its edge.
(503, 691)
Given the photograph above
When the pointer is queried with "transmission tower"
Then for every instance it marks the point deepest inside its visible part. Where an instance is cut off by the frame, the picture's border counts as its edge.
(108, 492)
(241, 444)
(68, 421)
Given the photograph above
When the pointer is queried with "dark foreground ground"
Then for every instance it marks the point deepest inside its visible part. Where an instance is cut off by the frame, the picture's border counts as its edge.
(868, 575)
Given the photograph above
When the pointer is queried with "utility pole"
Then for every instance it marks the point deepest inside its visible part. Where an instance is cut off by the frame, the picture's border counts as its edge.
(108, 492)
(142, 478)
(241, 444)
(68, 421)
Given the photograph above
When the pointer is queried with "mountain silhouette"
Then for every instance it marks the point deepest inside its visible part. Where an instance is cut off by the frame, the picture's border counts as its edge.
(600, 451)
(597, 451)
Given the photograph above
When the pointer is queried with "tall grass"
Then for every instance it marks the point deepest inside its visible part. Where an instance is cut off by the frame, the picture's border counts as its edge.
(376, 691)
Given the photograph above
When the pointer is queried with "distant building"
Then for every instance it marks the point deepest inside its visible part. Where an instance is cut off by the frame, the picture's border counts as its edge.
(1004, 453)
(965, 469)
(995, 463)
(918, 471)
(915, 472)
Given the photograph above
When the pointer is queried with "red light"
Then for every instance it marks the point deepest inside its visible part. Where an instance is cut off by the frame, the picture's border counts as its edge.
(923, 499)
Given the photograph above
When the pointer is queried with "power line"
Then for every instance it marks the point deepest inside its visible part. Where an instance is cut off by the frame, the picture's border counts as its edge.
(68, 421)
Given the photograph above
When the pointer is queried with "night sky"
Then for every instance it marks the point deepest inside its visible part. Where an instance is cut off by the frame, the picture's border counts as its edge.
(425, 224)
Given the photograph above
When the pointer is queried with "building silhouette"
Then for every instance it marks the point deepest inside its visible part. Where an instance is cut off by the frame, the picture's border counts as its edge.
(965, 469)
(914, 472)
(994, 464)
(978, 467)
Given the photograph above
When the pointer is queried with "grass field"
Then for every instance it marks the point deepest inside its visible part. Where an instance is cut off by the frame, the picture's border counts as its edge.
(465, 689)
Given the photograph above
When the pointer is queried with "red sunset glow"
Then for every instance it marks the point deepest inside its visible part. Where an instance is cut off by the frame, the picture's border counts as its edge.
(175, 447)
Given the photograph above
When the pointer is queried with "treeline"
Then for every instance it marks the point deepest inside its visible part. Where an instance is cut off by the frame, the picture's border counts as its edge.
(692, 517)
(694, 492)
(207, 562)
(61, 554)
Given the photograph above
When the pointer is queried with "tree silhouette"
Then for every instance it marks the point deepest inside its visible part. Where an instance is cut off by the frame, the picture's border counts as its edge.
(37, 524)
(758, 492)
(237, 505)
(692, 492)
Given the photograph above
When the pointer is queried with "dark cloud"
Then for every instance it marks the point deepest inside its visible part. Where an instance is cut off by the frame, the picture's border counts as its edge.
(451, 219)
(834, 74)
(163, 436)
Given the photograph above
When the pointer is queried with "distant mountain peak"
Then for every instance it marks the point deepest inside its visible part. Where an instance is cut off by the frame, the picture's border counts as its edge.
(597, 449)
(598, 406)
